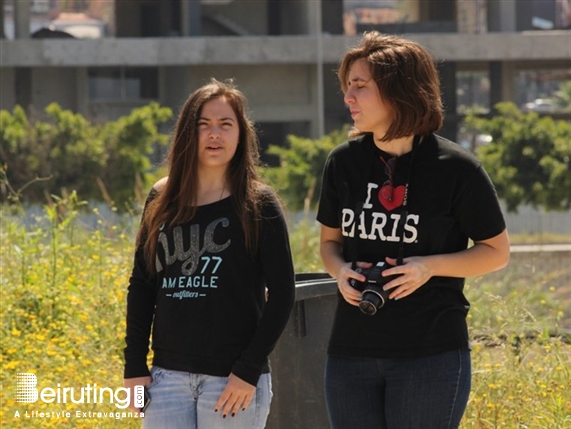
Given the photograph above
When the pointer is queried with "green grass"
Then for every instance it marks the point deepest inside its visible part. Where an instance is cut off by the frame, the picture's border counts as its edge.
(63, 319)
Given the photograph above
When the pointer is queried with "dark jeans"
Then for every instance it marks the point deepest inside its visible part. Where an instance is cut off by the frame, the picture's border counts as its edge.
(422, 393)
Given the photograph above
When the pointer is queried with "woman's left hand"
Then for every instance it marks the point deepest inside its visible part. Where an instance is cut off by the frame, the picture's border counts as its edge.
(412, 274)
(236, 396)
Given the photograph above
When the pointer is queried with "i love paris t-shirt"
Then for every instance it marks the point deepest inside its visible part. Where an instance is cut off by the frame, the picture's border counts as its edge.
(450, 200)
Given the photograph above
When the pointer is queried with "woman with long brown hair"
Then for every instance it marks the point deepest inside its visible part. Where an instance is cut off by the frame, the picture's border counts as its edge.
(212, 242)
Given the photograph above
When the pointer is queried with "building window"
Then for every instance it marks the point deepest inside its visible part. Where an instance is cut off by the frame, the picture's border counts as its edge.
(544, 91)
(123, 83)
(472, 91)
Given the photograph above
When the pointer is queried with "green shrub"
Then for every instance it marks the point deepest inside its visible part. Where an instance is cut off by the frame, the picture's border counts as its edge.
(108, 162)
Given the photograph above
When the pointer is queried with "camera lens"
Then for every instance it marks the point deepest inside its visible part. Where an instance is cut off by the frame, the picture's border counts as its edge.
(373, 298)
(368, 308)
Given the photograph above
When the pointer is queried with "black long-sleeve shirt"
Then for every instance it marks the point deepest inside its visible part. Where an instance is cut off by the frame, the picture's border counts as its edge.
(207, 301)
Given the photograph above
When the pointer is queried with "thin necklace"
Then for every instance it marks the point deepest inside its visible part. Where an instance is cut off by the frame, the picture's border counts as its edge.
(222, 193)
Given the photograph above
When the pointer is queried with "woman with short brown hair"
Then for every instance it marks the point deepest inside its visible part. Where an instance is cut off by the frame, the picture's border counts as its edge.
(398, 208)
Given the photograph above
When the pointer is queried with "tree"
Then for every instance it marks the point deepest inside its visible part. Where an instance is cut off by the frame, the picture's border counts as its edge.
(563, 97)
(130, 141)
(529, 157)
(100, 162)
(301, 161)
(63, 149)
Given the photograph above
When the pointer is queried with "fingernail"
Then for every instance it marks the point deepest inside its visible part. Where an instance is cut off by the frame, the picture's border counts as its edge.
(215, 410)
(233, 414)
(243, 409)
(224, 416)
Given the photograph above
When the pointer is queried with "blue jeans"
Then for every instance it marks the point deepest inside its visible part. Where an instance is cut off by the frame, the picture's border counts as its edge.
(182, 400)
(428, 392)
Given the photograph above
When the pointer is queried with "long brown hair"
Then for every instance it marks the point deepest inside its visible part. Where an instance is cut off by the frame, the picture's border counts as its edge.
(175, 203)
(407, 79)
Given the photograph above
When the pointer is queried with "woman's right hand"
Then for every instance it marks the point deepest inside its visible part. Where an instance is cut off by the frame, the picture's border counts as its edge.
(344, 275)
(130, 384)
(331, 250)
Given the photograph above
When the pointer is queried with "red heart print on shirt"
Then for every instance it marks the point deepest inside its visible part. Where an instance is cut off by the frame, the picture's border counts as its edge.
(398, 197)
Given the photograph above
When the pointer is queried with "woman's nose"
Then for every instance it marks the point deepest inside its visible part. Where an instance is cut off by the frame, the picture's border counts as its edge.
(214, 132)
(348, 98)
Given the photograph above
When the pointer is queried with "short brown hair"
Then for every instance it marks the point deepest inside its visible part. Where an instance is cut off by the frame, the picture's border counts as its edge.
(407, 79)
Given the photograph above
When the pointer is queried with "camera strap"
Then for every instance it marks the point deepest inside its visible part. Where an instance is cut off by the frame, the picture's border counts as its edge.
(404, 209)
(360, 202)
(403, 212)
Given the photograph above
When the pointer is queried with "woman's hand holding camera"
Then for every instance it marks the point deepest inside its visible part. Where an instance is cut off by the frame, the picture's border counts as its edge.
(345, 274)
(412, 274)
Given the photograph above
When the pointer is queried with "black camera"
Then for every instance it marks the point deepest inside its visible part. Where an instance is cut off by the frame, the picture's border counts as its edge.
(373, 295)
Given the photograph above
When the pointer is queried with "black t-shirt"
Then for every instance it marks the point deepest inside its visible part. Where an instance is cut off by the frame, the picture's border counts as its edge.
(208, 296)
(450, 200)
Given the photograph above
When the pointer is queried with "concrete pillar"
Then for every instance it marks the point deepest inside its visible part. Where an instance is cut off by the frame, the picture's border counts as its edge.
(312, 15)
(274, 18)
(82, 88)
(8, 90)
(23, 86)
(306, 18)
(442, 10)
(184, 19)
(501, 15)
(332, 16)
(508, 82)
(22, 19)
(414, 10)
(297, 17)
(447, 72)
(191, 16)
(501, 82)
(495, 71)
(318, 125)
(2, 35)
(524, 15)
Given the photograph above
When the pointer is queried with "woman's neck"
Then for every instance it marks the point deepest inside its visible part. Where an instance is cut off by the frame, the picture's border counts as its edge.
(396, 147)
(211, 189)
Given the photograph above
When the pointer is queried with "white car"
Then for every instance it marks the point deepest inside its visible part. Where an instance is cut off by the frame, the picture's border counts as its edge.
(540, 105)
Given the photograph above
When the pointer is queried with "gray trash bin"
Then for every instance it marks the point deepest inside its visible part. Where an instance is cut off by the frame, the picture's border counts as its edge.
(298, 361)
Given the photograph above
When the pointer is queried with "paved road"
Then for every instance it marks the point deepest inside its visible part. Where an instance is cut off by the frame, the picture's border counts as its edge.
(540, 248)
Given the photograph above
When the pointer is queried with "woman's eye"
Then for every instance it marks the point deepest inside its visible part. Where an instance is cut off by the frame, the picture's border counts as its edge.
(355, 86)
